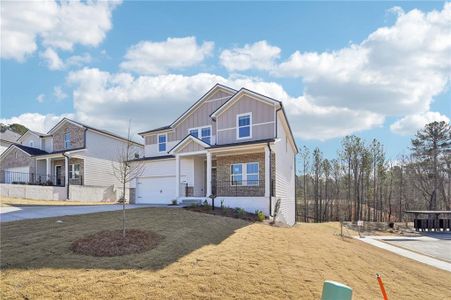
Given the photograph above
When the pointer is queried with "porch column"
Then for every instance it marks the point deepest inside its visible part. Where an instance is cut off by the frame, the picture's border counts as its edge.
(267, 172)
(177, 176)
(66, 171)
(48, 169)
(208, 174)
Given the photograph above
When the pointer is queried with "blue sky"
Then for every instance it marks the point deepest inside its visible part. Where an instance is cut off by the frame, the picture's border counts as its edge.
(348, 75)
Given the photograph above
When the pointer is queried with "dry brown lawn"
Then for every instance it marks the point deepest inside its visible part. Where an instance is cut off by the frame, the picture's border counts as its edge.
(203, 256)
(10, 201)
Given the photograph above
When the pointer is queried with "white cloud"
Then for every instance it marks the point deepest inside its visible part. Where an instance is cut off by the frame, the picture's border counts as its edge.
(396, 70)
(59, 93)
(36, 121)
(60, 25)
(259, 55)
(412, 123)
(153, 101)
(40, 98)
(149, 57)
(54, 62)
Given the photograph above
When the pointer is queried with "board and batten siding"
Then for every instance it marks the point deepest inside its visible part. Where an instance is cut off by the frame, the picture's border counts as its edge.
(101, 152)
(263, 120)
(285, 177)
(200, 117)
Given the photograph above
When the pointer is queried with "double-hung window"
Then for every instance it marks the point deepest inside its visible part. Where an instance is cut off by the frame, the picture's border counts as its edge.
(244, 126)
(162, 139)
(67, 144)
(244, 174)
(74, 171)
(203, 133)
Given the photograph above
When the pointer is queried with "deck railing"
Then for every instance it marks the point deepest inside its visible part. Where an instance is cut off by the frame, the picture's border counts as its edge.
(31, 178)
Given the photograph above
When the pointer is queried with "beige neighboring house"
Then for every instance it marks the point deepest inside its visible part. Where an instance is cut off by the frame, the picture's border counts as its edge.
(71, 161)
(7, 138)
(236, 145)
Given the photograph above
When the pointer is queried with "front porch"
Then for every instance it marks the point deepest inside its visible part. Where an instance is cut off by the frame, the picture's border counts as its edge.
(233, 175)
(61, 170)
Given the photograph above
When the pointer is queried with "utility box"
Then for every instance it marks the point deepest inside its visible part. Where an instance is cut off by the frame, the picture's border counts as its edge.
(336, 291)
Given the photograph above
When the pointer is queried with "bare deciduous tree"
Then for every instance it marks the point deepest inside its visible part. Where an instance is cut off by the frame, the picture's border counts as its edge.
(126, 168)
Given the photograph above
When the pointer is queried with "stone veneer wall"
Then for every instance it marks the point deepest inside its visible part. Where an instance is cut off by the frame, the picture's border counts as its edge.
(77, 137)
(223, 185)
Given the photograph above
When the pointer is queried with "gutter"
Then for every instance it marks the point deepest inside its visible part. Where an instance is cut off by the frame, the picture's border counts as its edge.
(270, 179)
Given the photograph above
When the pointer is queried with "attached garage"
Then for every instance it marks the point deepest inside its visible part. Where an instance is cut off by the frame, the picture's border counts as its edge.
(155, 190)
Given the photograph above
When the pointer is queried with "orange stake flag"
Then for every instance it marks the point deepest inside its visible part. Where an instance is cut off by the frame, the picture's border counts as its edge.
(381, 285)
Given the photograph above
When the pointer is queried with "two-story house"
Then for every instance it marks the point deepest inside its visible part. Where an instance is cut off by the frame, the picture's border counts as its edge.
(72, 155)
(236, 145)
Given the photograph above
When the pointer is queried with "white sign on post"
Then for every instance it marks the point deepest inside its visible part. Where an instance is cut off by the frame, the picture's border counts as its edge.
(359, 223)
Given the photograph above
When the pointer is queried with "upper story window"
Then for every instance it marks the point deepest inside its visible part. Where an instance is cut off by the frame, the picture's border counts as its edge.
(31, 144)
(244, 126)
(244, 174)
(203, 133)
(67, 144)
(162, 139)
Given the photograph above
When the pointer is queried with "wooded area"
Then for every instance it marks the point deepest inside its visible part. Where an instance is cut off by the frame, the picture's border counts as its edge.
(361, 184)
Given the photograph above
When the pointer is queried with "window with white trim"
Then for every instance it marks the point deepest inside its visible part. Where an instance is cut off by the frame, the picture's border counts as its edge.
(244, 126)
(74, 171)
(203, 133)
(67, 144)
(162, 139)
(245, 174)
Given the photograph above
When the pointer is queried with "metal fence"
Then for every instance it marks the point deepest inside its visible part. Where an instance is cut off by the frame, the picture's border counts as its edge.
(31, 178)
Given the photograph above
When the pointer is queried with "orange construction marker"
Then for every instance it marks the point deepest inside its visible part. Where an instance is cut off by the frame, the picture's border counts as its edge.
(379, 279)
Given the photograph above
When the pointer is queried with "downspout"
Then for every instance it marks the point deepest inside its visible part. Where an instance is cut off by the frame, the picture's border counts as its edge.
(270, 180)
(66, 171)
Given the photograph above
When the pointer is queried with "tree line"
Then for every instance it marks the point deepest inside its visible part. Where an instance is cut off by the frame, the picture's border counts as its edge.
(362, 184)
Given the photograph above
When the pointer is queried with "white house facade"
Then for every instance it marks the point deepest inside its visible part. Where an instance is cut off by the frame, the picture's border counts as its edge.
(235, 145)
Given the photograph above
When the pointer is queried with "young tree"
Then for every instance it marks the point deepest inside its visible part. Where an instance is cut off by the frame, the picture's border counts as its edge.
(317, 170)
(305, 154)
(126, 169)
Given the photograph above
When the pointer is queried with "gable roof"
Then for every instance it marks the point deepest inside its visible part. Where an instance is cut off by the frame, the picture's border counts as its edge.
(193, 107)
(27, 150)
(189, 138)
(38, 134)
(76, 123)
(237, 95)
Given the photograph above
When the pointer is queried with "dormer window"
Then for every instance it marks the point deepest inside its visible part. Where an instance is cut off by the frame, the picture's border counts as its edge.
(162, 139)
(244, 126)
(67, 144)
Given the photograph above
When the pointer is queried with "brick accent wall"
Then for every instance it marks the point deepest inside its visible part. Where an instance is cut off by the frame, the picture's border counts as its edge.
(17, 158)
(77, 137)
(223, 184)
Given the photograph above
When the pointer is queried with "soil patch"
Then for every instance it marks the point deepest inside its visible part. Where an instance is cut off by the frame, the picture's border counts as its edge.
(112, 243)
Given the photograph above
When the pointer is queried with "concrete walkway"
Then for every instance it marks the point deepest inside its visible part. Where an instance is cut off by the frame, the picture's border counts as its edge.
(375, 241)
(8, 214)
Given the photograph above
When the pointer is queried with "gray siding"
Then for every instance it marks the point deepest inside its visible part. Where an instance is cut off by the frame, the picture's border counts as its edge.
(263, 117)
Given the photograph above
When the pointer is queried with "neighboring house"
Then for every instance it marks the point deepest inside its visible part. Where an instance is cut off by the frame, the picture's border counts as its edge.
(70, 154)
(237, 145)
(7, 138)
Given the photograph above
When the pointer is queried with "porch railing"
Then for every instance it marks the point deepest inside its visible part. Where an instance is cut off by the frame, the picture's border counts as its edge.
(31, 178)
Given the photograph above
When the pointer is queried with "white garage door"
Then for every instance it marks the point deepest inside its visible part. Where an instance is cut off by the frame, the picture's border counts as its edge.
(155, 190)
(18, 174)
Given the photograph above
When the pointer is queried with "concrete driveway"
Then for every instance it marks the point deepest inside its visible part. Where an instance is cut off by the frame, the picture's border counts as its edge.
(11, 213)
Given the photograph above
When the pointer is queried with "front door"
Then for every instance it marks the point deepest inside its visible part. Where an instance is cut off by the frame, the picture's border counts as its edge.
(58, 175)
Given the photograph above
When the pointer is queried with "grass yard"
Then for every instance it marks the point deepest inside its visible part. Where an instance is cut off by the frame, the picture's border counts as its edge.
(203, 256)
(9, 201)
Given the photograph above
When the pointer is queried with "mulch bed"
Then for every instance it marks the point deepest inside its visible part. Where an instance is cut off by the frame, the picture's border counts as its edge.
(226, 212)
(111, 243)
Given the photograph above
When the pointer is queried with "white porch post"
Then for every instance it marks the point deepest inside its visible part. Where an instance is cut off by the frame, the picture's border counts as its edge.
(66, 171)
(267, 172)
(177, 176)
(208, 174)
(48, 168)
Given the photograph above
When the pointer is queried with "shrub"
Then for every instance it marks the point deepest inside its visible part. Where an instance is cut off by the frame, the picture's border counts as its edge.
(260, 215)
(222, 203)
(240, 211)
(174, 202)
